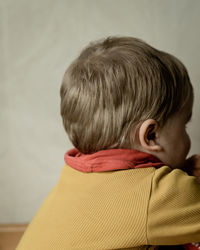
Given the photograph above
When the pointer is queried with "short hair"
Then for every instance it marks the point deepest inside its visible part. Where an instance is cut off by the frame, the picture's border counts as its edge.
(113, 85)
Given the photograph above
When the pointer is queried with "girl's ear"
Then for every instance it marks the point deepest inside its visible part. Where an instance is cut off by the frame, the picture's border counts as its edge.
(148, 131)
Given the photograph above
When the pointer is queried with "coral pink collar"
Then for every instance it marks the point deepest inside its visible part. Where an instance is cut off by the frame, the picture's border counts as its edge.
(110, 160)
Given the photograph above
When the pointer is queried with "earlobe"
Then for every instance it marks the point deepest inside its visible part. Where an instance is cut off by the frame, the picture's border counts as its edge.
(147, 135)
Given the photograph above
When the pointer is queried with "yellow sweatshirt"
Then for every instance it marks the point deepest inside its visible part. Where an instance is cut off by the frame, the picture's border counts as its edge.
(116, 199)
(126, 209)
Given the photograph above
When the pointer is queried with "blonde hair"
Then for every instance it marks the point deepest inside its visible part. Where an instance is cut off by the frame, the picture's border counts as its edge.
(113, 85)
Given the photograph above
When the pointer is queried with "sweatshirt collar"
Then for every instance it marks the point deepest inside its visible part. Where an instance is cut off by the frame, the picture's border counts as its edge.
(110, 160)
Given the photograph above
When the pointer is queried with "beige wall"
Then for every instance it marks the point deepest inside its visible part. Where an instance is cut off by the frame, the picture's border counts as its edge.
(38, 39)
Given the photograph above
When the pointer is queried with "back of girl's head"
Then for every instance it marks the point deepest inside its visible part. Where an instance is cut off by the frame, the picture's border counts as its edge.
(113, 85)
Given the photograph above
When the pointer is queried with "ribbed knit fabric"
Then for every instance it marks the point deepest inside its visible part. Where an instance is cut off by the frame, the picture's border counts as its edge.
(124, 209)
(115, 159)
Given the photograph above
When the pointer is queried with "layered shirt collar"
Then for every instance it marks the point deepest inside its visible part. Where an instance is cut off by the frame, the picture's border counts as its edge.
(110, 160)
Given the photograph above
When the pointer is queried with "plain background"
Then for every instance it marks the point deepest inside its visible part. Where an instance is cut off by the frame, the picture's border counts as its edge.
(38, 40)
